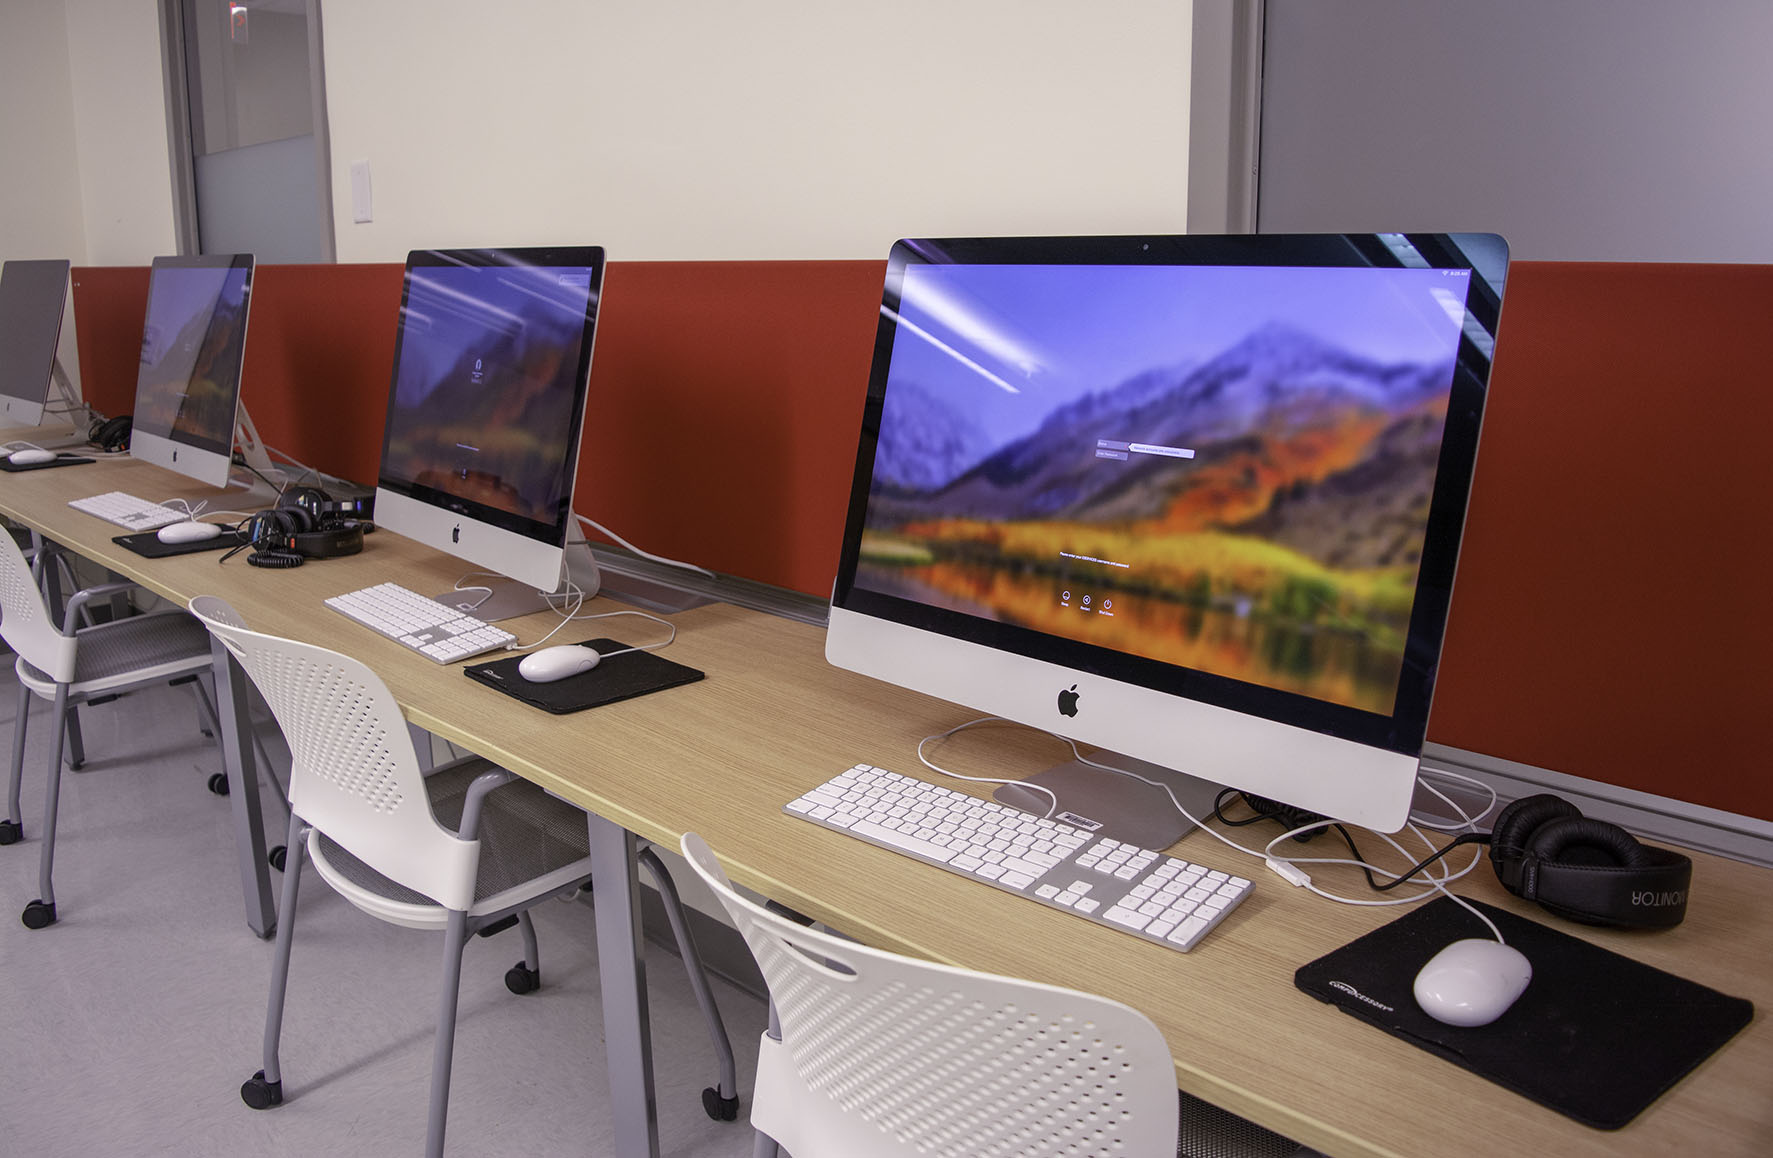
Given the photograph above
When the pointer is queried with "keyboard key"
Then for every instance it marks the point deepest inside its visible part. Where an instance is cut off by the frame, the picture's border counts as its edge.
(1131, 918)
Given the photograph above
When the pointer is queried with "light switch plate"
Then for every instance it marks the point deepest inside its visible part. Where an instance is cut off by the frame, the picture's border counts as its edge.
(361, 209)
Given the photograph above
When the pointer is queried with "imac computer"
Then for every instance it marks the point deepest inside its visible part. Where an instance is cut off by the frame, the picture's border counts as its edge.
(187, 390)
(491, 364)
(33, 296)
(1194, 500)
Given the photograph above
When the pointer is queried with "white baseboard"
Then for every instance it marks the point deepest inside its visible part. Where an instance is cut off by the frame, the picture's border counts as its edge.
(1694, 826)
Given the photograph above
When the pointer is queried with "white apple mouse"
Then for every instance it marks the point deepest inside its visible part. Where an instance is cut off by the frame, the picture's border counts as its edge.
(31, 456)
(556, 663)
(189, 531)
(1472, 982)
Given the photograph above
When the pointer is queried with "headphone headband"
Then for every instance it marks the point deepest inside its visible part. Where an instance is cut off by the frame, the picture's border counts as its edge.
(1587, 870)
(1653, 896)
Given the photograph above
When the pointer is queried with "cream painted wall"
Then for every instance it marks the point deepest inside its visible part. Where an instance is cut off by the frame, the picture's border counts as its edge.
(119, 103)
(40, 207)
(684, 129)
(40, 213)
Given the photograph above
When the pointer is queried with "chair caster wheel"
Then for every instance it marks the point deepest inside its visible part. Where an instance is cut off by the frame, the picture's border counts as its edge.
(719, 1108)
(277, 857)
(521, 979)
(218, 783)
(260, 1094)
(38, 915)
(11, 833)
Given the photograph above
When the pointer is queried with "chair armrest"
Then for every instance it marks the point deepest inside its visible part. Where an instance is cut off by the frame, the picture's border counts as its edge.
(81, 598)
(477, 793)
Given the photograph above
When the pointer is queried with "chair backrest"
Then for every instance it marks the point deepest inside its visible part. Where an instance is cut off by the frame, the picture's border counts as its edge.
(353, 775)
(892, 1056)
(25, 620)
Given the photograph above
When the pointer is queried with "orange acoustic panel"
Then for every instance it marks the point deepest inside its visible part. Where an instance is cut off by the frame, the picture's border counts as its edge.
(319, 358)
(110, 308)
(726, 401)
(1610, 617)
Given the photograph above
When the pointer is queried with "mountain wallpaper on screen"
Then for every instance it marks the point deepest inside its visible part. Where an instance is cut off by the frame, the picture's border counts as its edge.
(1284, 552)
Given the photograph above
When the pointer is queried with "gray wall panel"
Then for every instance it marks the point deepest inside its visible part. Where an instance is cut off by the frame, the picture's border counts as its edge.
(1603, 130)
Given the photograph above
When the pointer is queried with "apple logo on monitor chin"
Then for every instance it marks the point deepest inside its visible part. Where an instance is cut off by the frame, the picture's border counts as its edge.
(1068, 701)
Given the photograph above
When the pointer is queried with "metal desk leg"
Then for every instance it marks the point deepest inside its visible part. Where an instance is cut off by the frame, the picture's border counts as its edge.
(243, 790)
(622, 969)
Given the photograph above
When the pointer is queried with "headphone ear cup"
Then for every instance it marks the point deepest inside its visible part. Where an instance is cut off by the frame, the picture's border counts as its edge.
(1515, 824)
(1514, 829)
(315, 508)
(271, 530)
(1580, 840)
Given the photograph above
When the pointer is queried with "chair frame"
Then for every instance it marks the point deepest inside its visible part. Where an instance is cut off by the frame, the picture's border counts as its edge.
(430, 859)
(45, 668)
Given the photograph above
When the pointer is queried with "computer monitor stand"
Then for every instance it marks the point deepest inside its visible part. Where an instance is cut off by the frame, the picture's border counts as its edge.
(1116, 806)
(492, 598)
(48, 436)
(260, 472)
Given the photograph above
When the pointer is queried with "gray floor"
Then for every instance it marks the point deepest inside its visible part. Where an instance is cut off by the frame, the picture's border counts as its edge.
(127, 1027)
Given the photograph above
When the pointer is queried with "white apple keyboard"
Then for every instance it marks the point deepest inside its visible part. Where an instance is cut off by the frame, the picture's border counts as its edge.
(125, 510)
(1159, 898)
(435, 630)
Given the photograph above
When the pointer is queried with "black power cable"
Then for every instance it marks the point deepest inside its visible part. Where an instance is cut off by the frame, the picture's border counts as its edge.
(1291, 818)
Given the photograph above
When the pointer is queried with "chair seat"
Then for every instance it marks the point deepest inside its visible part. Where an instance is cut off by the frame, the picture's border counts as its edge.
(527, 838)
(138, 649)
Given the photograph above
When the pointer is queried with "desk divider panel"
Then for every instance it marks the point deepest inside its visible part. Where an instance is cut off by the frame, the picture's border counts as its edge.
(319, 356)
(110, 309)
(726, 400)
(1609, 619)
(1612, 616)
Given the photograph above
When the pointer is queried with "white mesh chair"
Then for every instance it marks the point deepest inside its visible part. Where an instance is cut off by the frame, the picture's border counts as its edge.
(78, 664)
(883, 1056)
(468, 848)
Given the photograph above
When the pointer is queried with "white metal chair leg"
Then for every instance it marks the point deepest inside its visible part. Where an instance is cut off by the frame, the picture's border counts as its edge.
(12, 830)
(40, 913)
(265, 1088)
(455, 940)
(721, 1102)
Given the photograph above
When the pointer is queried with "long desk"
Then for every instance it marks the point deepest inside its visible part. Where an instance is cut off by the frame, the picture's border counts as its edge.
(720, 757)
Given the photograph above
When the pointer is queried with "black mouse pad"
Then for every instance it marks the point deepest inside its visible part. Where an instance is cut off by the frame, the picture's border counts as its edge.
(1596, 1036)
(148, 544)
(620, 677)
(59, 460)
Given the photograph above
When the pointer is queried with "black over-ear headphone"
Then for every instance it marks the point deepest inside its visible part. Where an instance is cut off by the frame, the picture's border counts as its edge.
(110, 434)
(1587, 870)
(306, 523)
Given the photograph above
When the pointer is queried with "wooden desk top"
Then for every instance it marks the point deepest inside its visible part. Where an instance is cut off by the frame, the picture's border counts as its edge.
(772, 719)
